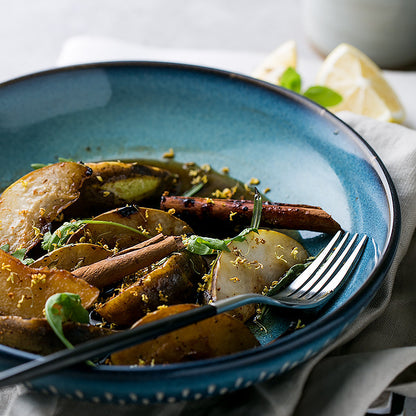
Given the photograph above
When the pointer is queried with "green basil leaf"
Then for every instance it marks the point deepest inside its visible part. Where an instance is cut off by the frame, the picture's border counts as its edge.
(205, 245)
(323, 96)
(194, 190)
(257, 209)
(63, 307)
(36, 166)
(18, 254)
(289, 277)
(291, 80)
(282, 283)
(57, 239)
(5, 247)
(241, 236)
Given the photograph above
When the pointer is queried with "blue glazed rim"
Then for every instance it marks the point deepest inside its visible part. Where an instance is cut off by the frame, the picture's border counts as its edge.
(326, 324)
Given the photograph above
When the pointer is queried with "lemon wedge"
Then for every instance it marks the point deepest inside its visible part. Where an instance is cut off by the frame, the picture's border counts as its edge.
(361, 83)
(273, 66)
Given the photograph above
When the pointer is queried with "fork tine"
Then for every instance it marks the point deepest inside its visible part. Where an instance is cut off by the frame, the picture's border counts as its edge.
(307, 275)
(334, 278)
(326, 273)
(329, 267)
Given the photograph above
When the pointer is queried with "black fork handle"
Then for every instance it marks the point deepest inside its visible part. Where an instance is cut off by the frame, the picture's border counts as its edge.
(108, 344)
(101, 346)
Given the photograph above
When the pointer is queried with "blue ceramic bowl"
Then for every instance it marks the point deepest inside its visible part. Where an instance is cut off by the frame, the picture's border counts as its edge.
(298, 149)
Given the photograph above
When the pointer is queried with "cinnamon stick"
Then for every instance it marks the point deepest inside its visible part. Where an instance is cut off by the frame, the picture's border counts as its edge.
(113, 269)
(240, 212)
(143, 244)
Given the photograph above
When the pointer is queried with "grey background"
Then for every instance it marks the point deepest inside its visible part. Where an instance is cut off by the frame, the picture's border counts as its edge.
(32, 32)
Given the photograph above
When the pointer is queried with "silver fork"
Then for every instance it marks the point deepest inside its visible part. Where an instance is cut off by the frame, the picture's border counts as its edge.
(315, 286)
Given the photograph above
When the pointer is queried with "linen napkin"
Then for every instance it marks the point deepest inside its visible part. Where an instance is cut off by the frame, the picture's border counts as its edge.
(377, 353)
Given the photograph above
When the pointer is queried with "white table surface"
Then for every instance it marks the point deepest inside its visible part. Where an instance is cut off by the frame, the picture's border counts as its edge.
(32, 33)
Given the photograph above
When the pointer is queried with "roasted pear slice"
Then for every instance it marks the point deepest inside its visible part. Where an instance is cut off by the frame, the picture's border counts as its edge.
(213, 337)
(35, 335)
(150, 221)
(113, 184)
(24, 290)
(29, 205)
(175, 281)
(252, 265)
(73, 256)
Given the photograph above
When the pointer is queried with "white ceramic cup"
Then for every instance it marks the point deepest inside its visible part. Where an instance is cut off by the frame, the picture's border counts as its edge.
(385, 30)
